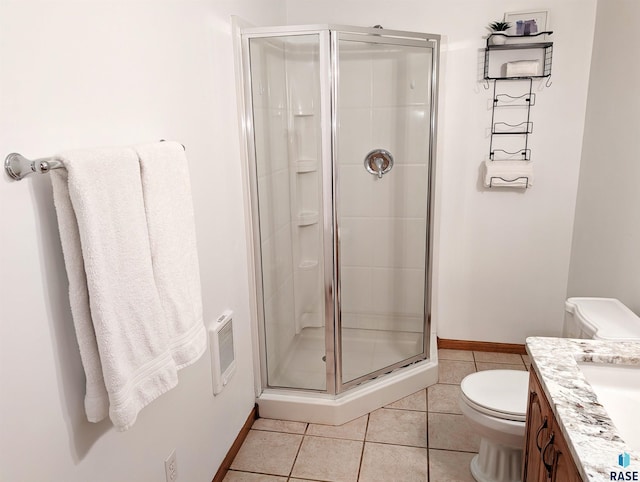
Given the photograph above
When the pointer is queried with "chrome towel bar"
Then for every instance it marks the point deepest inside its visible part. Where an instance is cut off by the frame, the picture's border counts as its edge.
(17, 166)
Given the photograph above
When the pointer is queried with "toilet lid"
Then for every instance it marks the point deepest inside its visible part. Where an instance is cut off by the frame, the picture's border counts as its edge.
(501, 393)
(607, 318)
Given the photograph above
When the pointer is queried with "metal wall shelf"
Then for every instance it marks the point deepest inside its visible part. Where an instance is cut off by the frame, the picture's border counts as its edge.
(513, 43)
(519, 104)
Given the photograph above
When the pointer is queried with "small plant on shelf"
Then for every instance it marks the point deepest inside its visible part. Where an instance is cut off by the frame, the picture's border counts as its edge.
(499, 27)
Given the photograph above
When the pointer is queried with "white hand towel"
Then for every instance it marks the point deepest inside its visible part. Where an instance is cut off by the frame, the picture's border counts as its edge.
(170, 220)
(508, 174)
(522, 68)
(118, 315)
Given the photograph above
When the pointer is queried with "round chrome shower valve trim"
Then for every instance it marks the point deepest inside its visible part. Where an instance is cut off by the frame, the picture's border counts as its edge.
(378, 162)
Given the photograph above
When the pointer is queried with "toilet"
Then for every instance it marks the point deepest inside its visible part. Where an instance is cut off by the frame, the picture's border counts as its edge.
(494, 402)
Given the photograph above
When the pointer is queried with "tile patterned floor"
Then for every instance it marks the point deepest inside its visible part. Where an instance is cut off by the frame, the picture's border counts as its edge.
(421, 438)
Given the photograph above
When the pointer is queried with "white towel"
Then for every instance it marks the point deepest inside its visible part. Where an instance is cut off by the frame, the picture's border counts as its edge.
(170, 220)
(120, 323)
(522, 68)
(508, 174)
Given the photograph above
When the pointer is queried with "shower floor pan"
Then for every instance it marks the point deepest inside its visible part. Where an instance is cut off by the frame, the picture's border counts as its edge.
(364, 351)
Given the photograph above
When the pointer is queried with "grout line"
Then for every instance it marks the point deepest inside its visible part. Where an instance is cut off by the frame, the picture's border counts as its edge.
(295, 459)
(426, 399)
(402, 409)
(398, 445)
(427, 427)
(364, 441)
(454, 450)
(257, 473)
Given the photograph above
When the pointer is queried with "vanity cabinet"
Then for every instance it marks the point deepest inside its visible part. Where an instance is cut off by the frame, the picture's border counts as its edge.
(547, 457)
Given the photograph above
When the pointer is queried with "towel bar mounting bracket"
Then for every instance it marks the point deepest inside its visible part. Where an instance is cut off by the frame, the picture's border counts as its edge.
(17, 166)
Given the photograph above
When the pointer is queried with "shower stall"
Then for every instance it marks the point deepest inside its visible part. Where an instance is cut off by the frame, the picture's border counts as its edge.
(340, 130)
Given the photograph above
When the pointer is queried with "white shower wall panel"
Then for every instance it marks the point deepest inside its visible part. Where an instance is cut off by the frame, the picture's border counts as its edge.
(398, 76)
(401, 193)
(383, 298)
(277, 266)
(403, 131)
(353, 145)
(383, 291)
(384, 242)
(279, 311)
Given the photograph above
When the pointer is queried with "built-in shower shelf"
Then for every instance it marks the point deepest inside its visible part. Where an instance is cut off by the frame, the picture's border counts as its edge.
(307, 218)
(308, 264)
(306, 165)
(303, 113)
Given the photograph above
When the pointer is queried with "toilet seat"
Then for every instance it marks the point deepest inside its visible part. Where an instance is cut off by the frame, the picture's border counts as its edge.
(498, 393)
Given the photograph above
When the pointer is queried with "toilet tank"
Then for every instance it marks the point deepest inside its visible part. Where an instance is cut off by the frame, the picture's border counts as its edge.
(600, 318)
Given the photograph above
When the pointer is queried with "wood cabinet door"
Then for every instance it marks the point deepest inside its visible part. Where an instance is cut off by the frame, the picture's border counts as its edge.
(537, 434)
(564, 469)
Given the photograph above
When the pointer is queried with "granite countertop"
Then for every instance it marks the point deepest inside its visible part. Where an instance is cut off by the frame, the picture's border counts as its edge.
(591, 436)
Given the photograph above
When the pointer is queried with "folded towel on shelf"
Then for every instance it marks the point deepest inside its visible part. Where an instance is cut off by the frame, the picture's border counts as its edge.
(508, 174)
(522, 68)
(170, 221)
(126, 343)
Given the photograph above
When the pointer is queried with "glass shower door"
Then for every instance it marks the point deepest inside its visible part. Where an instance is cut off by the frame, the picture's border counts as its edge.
(287, 149)
(382, 149)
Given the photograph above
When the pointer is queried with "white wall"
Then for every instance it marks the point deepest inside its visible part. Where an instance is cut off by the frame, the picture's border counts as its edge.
(81, 74)
(503, 255)
(605, 259)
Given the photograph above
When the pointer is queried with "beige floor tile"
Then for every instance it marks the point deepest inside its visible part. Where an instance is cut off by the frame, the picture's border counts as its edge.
(452, 371)
(401, 427)
(499, 366)
(353, 430)
(443, 398)
(487, 356)
(452, 432)
(272, 425)
(235, 476)
(267, 453)
(448, 466)
(460, 355)
(415, 401)
(328, 459)
(385, 463)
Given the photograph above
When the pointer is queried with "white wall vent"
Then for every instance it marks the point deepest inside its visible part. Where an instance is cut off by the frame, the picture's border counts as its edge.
(223, 355)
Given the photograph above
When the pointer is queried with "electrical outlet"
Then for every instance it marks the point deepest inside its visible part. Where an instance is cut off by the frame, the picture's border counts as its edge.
(171, 467)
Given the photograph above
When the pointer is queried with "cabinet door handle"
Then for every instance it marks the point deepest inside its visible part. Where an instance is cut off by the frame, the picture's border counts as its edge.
(549, 466)
(540, 429)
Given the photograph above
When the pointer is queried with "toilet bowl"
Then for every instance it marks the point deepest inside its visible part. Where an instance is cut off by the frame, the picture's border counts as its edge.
(494, 402)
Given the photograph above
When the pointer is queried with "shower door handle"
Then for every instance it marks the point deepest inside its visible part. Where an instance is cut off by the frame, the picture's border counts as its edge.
(378, 162)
